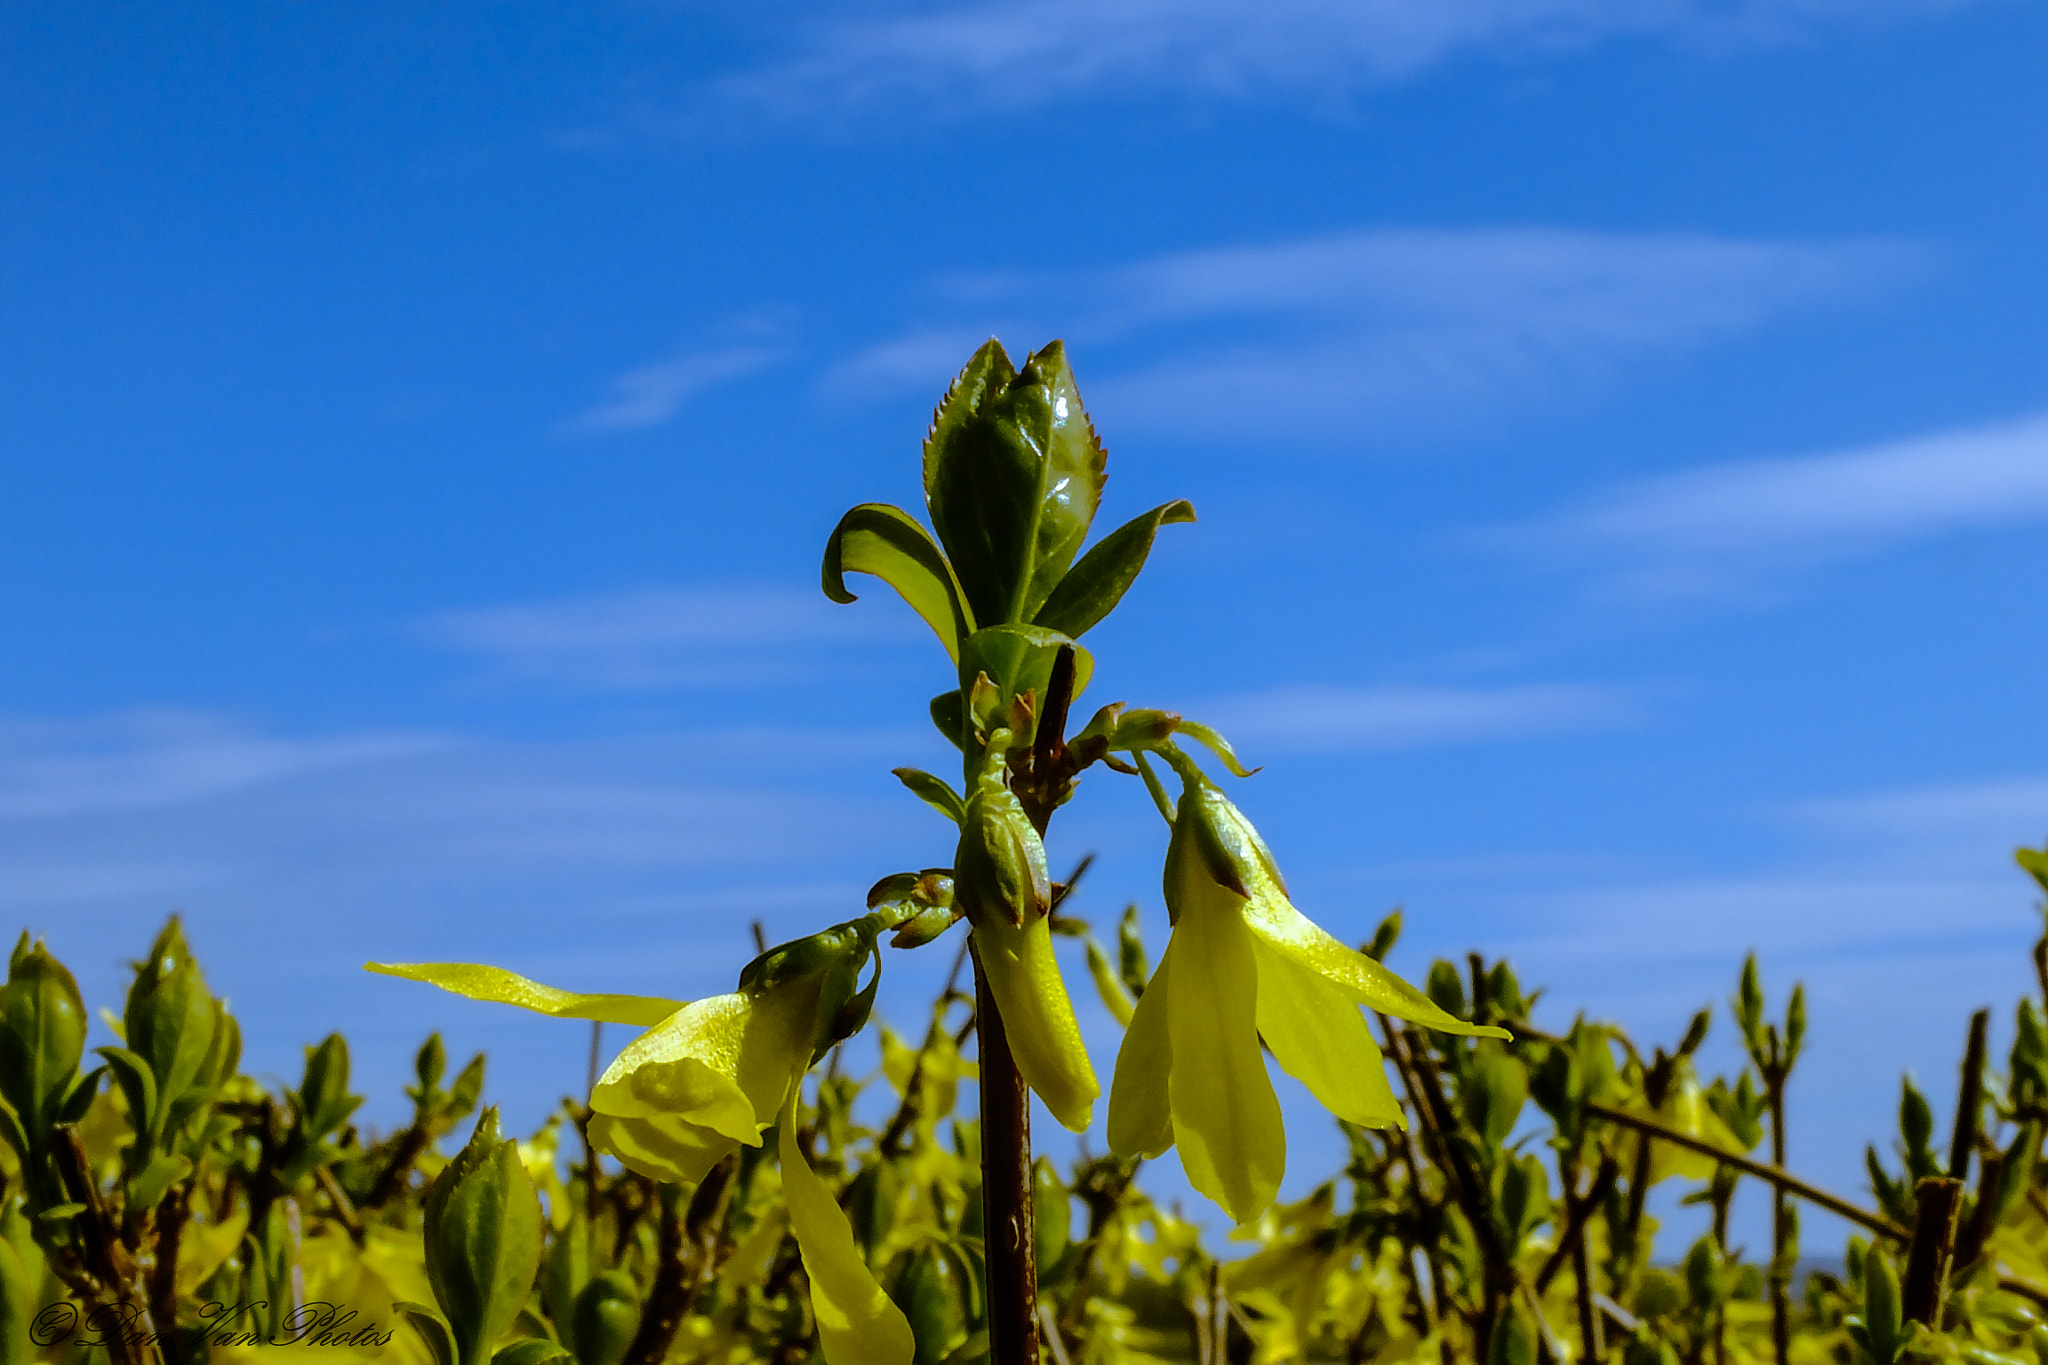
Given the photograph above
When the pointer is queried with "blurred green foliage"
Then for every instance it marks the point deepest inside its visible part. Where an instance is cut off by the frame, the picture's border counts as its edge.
(1506, 1221)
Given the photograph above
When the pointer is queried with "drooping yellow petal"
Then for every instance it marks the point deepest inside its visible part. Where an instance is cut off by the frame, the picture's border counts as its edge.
(1226, 1120)
(1140, 1113)
(1038, 1017)
(1319, 1038)
(857, 1324)
(661, 1146)
(722, 1063)
(1291, 934)
(499, 986)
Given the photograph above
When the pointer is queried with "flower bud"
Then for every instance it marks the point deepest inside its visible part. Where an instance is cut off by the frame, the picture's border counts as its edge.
(482, 1239)
(934, 1295)
(607, 1314)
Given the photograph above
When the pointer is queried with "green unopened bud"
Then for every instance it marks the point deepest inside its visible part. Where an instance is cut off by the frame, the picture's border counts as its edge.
(464, 1093)
(1883, 1316)
(933, 1294)
(429, 1065)
(999, 871)
(171, 1019)
(1131, 964)
(1514, 1339)
(42, 1037)
(870, 1202)
(1053, 1215)
(482, 1237)
(917, 905)
(606, 1316)
(323, 1100)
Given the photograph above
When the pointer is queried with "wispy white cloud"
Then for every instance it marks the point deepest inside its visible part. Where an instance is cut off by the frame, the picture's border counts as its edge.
(630, 863)
(1353, 333)
(1727, 527)
(155, 759)
(653, 394)
(1312, 719)
(939, 60)
(662, 637)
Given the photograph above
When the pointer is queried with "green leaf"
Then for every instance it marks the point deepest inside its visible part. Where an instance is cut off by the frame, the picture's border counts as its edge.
(1013, 473)
(949, 713)
(875, 538)
(1020, 659)
(1217, 745)
(2035, 861)
(146, 1190)
(138, 1084)
(1092, 588)
(432, 1329)
(933, 792)
(58, 1213)
(987, 370)
(532, 1351)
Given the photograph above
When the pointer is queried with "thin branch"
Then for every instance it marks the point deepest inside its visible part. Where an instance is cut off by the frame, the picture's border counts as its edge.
(1782, 1179)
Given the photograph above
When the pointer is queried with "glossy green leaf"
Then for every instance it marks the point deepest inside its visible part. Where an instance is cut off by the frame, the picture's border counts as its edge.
(986, 372)
(875, 538)
(933, 791)
(1013, 473)
(1091, 589)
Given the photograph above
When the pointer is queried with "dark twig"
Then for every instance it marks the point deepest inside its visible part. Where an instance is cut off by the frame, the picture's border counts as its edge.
(1781, 1179)
(1970, 1099)
(1925, 1287)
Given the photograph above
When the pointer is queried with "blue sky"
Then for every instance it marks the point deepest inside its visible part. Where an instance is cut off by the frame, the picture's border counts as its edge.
(1620, 434)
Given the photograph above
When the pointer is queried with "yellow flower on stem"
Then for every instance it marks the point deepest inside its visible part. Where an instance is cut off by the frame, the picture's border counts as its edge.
(1000, 884)
(1243, 964)
(710, 1076)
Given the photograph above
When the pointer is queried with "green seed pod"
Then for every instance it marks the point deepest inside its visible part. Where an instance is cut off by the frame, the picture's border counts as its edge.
(1052, 1212)
(483, 1240)
(606, 1316)
(42, 1037)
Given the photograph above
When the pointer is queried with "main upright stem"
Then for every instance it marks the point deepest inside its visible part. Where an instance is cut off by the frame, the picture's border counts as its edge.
(1008, 1222)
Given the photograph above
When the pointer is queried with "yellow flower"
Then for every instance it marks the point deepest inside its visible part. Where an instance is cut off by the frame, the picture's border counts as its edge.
(1244, 964)
(1000, 884)
(712, 1075)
